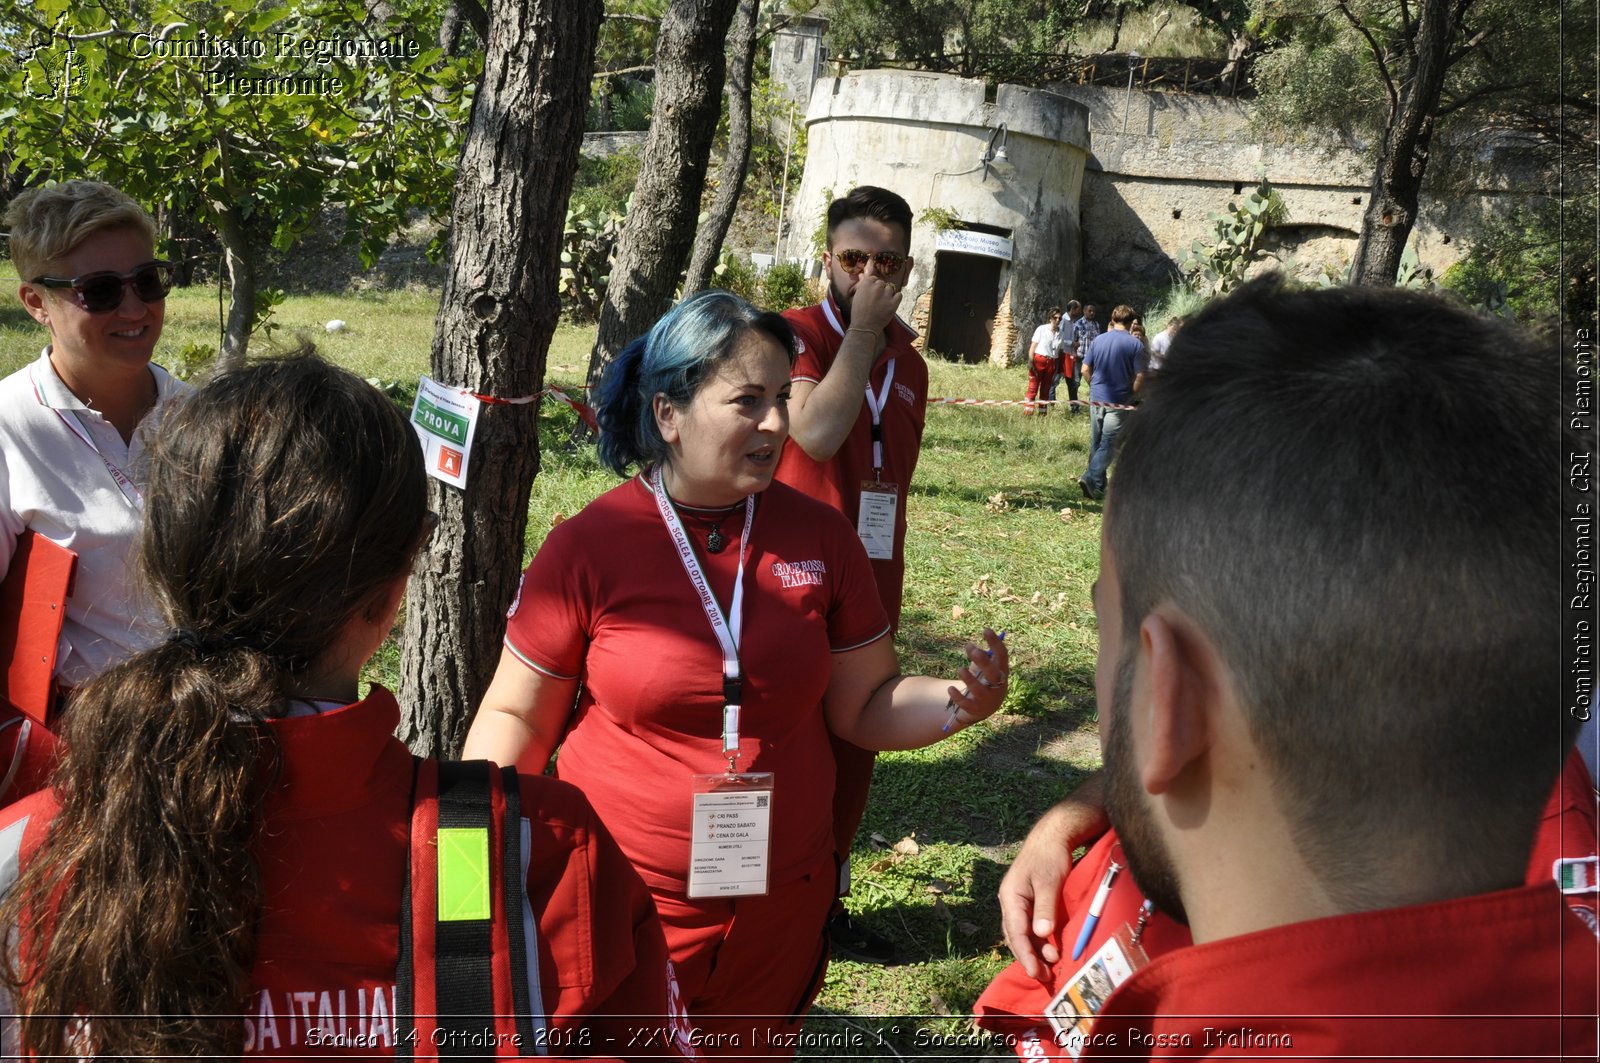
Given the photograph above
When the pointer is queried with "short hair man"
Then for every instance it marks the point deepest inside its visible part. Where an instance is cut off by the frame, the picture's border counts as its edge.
(1329, 681)
(857, 406)
(1085, 327)
(1114, 370)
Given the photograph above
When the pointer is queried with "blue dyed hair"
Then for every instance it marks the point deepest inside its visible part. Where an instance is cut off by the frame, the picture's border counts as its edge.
(674, 359)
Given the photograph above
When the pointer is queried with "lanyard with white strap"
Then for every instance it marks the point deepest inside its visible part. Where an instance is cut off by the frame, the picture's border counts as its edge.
(875, 403)
(75, 425)
(727, 634)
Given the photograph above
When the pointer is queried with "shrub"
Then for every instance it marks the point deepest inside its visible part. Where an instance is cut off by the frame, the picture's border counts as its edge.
(1219, 267)
(786, 285)
(587, 246)
(1516, 268)
(631, 107)
(602, 185)
(738, 275)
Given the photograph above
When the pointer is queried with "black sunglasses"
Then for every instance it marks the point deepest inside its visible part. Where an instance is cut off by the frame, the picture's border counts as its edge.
(855, 261)
(101, 292)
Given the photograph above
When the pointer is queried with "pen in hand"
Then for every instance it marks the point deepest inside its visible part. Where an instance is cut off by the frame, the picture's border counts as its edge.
(951, 704)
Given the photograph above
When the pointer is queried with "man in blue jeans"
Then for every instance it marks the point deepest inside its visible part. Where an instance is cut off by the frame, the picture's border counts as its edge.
(1114, 370)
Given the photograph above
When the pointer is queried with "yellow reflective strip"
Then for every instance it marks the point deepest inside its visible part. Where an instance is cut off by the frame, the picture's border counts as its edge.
(463, 873)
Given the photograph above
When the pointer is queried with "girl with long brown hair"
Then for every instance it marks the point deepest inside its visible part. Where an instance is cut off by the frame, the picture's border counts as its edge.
(220, 864)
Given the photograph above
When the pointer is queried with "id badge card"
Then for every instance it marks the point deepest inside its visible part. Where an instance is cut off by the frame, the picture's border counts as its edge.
(1072, 1011)
(875, 522)
(730, 835)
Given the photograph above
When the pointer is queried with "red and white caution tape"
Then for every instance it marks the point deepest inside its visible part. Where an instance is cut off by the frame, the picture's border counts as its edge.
(581, 408)
(1026, 402)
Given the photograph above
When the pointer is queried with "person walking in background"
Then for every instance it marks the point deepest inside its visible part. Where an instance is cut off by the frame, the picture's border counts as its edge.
(1043, 359)
(1114, 370)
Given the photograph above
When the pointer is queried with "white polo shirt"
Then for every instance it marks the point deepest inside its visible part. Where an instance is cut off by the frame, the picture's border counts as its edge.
(60, 466)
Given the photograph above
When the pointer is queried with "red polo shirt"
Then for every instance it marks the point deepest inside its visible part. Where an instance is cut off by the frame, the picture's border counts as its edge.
(837, 481)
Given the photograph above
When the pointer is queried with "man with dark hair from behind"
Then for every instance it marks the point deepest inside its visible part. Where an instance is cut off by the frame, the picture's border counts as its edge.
(1330, 687)
(858, 400)
(1114, 370)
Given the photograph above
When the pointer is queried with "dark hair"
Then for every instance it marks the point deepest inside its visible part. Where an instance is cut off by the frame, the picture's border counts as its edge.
(679, 354)
(284, 499)
(1123, 314)
(870, 201)
(1359, 506)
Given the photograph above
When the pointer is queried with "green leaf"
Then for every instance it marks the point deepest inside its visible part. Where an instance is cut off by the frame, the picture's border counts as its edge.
(258, 23)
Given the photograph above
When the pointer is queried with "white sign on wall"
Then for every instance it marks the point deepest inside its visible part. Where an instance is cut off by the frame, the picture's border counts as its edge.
(969, 242)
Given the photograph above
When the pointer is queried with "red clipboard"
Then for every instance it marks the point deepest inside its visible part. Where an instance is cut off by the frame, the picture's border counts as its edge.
(33, 605)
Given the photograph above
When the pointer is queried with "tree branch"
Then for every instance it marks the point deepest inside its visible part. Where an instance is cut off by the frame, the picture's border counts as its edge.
(1478, 94)
(624, 70)
(477, 17)
(1378, 55)
(1461, 52)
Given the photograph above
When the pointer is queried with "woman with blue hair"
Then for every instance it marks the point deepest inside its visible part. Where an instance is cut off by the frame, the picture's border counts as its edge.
(688, 640)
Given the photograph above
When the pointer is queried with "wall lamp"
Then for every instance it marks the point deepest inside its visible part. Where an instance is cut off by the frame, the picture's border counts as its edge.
(995, 154)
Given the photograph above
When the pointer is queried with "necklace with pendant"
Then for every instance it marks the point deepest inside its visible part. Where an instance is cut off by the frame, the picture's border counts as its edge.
(715, 540)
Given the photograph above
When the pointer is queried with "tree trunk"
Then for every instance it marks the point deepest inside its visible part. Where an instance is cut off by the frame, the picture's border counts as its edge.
(1241, 46)
(496, 316)
(708, 240)
(241, 274)
(666, 201)
(1403, 158)
(1116, 27)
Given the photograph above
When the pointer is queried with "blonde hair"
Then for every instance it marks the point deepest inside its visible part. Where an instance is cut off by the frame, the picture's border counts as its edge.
(47, 223)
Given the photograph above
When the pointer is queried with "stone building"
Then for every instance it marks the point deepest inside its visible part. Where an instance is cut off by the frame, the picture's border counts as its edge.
(1097, 192)
(993, 174)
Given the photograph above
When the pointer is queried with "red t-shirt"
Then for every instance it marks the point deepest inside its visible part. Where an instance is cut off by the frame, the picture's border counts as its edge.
(820, 330)
(607, 600)
(1492, 976)
(1013, 1005)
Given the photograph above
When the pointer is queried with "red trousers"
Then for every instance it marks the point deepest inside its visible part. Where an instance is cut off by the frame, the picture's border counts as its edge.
(749, 968)
(1041, 372)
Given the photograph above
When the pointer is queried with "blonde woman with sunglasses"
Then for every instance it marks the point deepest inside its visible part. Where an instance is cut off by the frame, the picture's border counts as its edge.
(72, 447)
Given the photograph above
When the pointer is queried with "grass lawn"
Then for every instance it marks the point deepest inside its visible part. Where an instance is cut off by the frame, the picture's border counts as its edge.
(999, 536)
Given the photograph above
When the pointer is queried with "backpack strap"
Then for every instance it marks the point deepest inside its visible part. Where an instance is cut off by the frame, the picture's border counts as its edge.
(465, 984)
